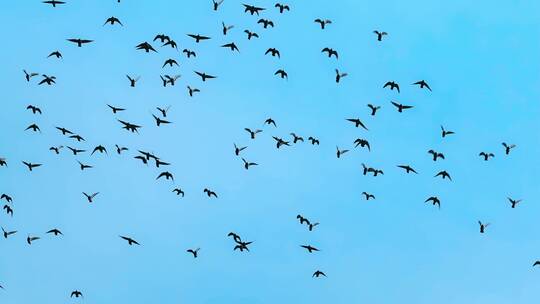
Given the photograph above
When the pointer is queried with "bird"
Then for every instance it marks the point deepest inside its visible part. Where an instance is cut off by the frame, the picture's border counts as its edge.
(235, 237)
(237, 149)
(309, 248)
(266, 23)
(31, 165)
(436, 155)
(90, 197)
(380, 35)
(373, 109)
(54, 3)
(273, 51)
(189, 53)
(434, 200)
(513, 202)
(160, 121)
(3, 162)
(28, 76)
(357, 123)
(163, 110)
(112, 20)
(296, 138)
(9, 210)
(147, 47)
(339, 152)
(129, 126)
(483, 226)
(216, 4)
(323, 22)
(76, 294)
(443, 175)
(55, 231)
(422, 84)
(56, 149)
(6, 197)
(314, 141)
(311, 226)
(172, 43)
(270, 121)
(282, 7)
(318, 273)
(226, 28)
(115, 109)
(129, 240)
(79, 41)
(83, 166)
(8, 233)
(64, 130)
(56, 54)
(368, 196)
(161, 163)
(393, 85)
(77, 138)
(169, 79)
(30, 239)
(248, 164)
(205, 76)
(133, 81)
(198, 38)
(49, 80)
(100, 149)
(75, 151)
(280, 142)
(508, 147)
(281, 73)
(302, 219)
(252, 133)
(168, 175)
(362, 143)
(170, 62)
(330, 52)
(445, 133)
(178, 191)
(194, 252)
(486, 155)
(33, 127)
(192, 91)
(232, 46)
(401, 107)
(34, 109)
(251, 34)
(407, 168)
(120, 149)
(142, 158)
(340, 75)
(252, 9)
(162, 38)
(210, 193)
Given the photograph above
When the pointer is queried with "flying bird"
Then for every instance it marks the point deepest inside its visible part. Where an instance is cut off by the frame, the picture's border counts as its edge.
(194, 252)
(340, 75)
(380, 35)
(31, 165)
(252, 133)
(54, 3)
(178, 191)
(309, 248)
(296, 138)
(513, 202)
(436, 155)
(28, 76)
(252, 9)
(282, 7)
(393, 85)
(407, 168)
(76, 294)
(314, 141)
(119, 149)
(373, 109)
(8, 233)
(251, 34)
(248, 164)
(56, 149)
(330, 52)
(216, 4)
(133, 81)
(237, 149)
(115, 109)
(266, 23)
(281, 73)
(90, 197)
(273, 51)
(112, 20)
(318, 273)
(55, 231)
(434, 200)
(56, 54)
(204, 76)
(362, 143)
(339, 152)
(401, 107)
(168, 175)
(443, 175)
(209, 192)
(226, 28)
(357, 123)
(323, 22)
(483, 226)
(508, 148)
(147, 47)
(486, 155)
(445, 133)
(422, 84)
(79, 41)
(129, 240)
(198, 38)
(368, 196)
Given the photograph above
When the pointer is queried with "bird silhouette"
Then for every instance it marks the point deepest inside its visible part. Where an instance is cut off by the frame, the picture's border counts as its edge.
(119, 149)
(407, 168)
(339, 152)
(251, 34)
(248, 164)
(76, 294)
(8, 233)
(368, 196)
(129, 240)
(362, 143)
(232, 46)
(56, 54)
(226, 28)
(205, 76)
(54, 3)
(252, 9)
(296, 138)
(194, 252)
(280, 142)
(436, 155)
(33, 127)
(9, 210)
(380, 35)
(323, 22)
(31, 239)
(309, 248)
(30, 75)
(422, 84)
(314, 141)
(513, 202)
(216, 4)
(401, 107)
(178, 191)
(6, 197)
(237, 149)
(189, 53)
(508, 147)
(90, 197)
(83, 166)
(483, 226)
(318, 273)
(252, 133)
(31, 166)
(486, 155)
(445, 132)
(115, 109)
(129, 126)
(112, 20)
(340, 75)
(160, 121)
(373, 109)
(147, 47)
(56, 149)
(100, 149)
(266, 23)
(55, 231)
(132, 81)
(168, 175)
(198, 38)
(79, 41)
(330, 52)
(393, 85)
(49, 80)
(170, 62)
(273, 51)
(434, 200)
(281, 73)
(210, 193)
(34, 109)
(282, 7)
(443, 175)
(357, 123)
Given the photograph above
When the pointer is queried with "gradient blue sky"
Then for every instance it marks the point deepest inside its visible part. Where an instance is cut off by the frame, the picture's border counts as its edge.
(480, 58)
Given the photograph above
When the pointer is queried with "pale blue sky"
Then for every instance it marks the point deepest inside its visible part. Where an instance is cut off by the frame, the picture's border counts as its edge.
(480, 58)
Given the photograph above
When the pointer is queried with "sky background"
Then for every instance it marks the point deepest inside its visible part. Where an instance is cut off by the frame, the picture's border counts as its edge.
(480, 58)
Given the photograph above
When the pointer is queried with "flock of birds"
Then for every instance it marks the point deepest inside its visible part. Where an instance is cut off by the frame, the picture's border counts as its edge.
(161, 119)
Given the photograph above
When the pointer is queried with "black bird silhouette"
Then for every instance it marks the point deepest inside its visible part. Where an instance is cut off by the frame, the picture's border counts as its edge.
(172, 43)
(280, 142)
(443, 175)
(513, 202)
(189, 53)
(309, 248)
(205, 76)
(34, 109)
(314, 141)
(237, 149)
(178, 191)
(252, 9)
(100, 149)
(368, 196)
(8, 233)
(226, 28)
(392, 85)
(160, 163)
(380, 35)
(483, 226)
(56, 149)
(120, 149)
(232, 46)
(311, 226)
(49, 80)
(133, 81)
(357, 123)
(168, 175)
(362, 143)
(79, 41)
(486, 155)
(163, 111)
(6, 197)
(339, 152)
(162, 38)
(142, 158)
(30, 165)
(54, 3)
(170, 62)
(251, 34)
(30, 239)
(160, 121)
(77, 138)
(235, 236)
(248, 164)
(434, 200)
(216, 4)
(536, 263)
(90, 197)
(281, 73)
(302, 219)
(330, 52)
(242, 246)
(56, 54)
(147, 47)
(252, 133)
(422, 84)
(323, 22)
(373, 109)
(64, 130)
(28, 76)
(55, 231)
(270, 121)
(209, 192)
(130, 127)
(192, 91)
(375, 171)
(3, 162)
(401, 107)
(76, 294)
(318, 273)
(198, 38)
(75, 150)
(340, 75)
(194, 252)
(508, 148)
(83, 166)
(266, 23)
(273, 51)
(407, 168)
(33, 127)
(115, 109)
(112, 20)
(282, 7)
(129, 240)
(297, 138)
(169, 79)
(436, 155)
(445, 133)
(9, 210)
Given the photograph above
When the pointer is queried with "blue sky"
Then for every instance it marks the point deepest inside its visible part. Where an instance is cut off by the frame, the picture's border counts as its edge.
(480, 58)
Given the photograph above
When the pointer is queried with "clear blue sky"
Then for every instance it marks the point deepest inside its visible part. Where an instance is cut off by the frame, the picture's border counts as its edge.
(480, 58)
